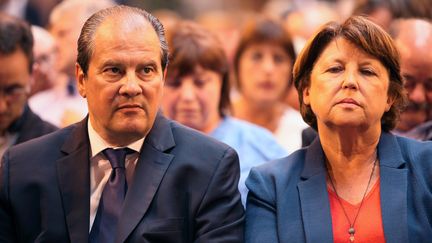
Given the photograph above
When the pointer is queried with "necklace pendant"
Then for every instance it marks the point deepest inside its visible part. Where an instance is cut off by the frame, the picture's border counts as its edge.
(351, 231)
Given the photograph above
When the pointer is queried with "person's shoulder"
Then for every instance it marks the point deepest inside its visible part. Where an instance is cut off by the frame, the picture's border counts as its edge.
(417, 155)
(258, 139)
(289, 166)
(41, 125)
(415, 148)
(185, 136)
(45, 144)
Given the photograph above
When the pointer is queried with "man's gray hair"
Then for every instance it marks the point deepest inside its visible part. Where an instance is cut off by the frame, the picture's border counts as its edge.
(86, 38)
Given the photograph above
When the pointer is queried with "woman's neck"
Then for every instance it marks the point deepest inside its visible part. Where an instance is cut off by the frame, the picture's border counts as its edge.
(350, 156)
(348, 146)
(267, 116)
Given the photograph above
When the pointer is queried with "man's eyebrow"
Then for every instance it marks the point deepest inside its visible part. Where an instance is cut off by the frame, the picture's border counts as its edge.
(151, 63)
(110, 62)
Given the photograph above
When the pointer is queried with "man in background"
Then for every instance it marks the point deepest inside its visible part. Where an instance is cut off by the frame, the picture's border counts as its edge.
(413, 38)
(63, 105)
(17, 122)
(44, 75)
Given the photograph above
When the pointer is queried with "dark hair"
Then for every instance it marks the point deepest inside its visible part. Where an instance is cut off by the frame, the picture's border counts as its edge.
(262, 29)
(398, 8)
(191, 45)
(370, 38)
(16, 33)
(86, 38)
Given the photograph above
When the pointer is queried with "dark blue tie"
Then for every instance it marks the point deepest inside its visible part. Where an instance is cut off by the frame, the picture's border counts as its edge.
(105, 224)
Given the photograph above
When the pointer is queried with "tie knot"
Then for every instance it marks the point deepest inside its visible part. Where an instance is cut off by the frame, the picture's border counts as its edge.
(117, 157)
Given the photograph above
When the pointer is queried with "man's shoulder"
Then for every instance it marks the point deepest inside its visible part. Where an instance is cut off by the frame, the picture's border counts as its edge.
(37, 123)
(44, 144)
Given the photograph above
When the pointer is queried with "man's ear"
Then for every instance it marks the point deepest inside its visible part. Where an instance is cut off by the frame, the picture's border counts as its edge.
(165, 73)
(81, 78)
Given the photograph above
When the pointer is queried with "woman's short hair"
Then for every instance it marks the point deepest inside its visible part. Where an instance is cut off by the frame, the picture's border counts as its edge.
(368, 37)
(263, 29)
(191, 45)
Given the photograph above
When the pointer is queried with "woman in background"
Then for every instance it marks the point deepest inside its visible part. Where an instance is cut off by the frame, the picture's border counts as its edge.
(262, 67)
(356, 182)
(196, 94)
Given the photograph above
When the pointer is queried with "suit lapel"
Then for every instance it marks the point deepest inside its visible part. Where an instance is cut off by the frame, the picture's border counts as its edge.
(74, 179)
(150, 169)
(315, 207)
(393, 183)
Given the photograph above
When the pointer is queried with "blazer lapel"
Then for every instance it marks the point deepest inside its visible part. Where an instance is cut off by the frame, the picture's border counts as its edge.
(150, 169)
(313, 194)
(74, 180)
(393, 183)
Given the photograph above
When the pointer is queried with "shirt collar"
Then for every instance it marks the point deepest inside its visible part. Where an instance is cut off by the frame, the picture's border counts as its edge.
(98, 144)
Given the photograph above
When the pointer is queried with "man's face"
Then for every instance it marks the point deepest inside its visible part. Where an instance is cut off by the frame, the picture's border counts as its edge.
(124, 82)
(416, 68)
(14, 81)
(66, 32)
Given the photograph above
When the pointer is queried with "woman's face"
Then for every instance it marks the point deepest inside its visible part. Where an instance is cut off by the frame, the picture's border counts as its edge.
(348, 88)
(264, 71)
(193, 100)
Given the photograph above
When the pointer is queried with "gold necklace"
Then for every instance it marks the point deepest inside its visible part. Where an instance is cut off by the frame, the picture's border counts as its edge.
(351, 230)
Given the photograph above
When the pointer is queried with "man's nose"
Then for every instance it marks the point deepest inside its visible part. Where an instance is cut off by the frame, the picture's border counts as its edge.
(418, 94)
(131, 87)
(3, 102)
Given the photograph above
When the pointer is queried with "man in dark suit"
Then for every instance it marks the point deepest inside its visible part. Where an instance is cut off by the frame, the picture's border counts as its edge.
(17, 122)
(181, 185)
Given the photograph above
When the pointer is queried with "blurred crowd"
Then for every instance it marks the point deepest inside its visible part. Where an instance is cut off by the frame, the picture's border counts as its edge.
(230, 71)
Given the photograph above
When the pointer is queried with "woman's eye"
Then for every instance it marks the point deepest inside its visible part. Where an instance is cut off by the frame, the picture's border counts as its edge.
(368, 72)
(279, 58)
(200, 82)
(334, 69)
(174, 83)
(256, 56)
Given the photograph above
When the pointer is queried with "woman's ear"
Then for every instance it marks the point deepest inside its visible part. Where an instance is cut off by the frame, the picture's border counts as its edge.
(306, 96)
(390, 101)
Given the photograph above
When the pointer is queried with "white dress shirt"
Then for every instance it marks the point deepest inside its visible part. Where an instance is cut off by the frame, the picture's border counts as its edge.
(6, 141)
(100, 167)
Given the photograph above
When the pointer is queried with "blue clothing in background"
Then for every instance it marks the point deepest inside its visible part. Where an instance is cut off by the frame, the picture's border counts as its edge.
(254, 145)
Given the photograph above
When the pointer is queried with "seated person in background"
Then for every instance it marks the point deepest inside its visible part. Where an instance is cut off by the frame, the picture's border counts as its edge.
(413, 38)
(62, 105)
(125, 173)
(262, 67)
(44, 75)
(17, 122)
(196, 94)
(357, 182)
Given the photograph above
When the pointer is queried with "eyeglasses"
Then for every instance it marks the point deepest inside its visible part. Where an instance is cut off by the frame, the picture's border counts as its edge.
(411, 85)
(14, 92)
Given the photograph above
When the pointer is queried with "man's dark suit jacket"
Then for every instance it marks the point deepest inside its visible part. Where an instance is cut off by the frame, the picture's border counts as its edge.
(30, 126)
(184, 189)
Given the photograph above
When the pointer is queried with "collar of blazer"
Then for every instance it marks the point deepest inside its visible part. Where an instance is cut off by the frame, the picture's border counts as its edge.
(74, 178)
(313, 193)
